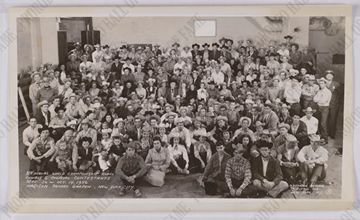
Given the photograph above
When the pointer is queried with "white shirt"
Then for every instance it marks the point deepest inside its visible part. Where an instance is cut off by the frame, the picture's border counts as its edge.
(29, 134)
(292, 94)
(184, 54)
(179, 151)
(225, 68)
(265, 164)
(85, 66)
(179, 65)
(320, 155)
(311, 124)
(218, 77)
(323, 97)
(96, 54)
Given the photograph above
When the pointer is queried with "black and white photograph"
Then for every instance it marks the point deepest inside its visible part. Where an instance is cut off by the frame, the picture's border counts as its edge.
(204, 107)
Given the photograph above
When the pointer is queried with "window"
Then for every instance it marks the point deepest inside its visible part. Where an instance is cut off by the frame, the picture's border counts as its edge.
(205, 28)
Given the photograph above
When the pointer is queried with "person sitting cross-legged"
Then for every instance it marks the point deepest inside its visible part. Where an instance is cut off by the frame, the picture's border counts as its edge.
(238, 176)
(267, 173)
(214, 175)
(129, 169)
(313, 160)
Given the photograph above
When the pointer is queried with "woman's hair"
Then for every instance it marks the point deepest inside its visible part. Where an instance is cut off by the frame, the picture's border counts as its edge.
(157, 138)
(241, 138)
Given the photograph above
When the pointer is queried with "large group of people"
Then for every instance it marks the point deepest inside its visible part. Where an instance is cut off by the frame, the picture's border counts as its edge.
(252, 120)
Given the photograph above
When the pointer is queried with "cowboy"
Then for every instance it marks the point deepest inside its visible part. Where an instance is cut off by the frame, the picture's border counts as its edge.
(323, 98)
(311, 122)
(313, 160)
(238, 175)
(334, 105)
(267, 175)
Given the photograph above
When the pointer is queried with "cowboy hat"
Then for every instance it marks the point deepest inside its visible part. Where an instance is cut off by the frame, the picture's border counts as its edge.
(221, 117)
(284, 125)
(245, 118)
(322, 79)
(44, 102)
(309, 110)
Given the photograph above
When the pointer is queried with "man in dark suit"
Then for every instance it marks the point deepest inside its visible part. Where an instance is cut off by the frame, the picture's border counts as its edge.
(172, 92)
(43, 116)
(214, 174)
(225, 53)
(267, 173)
(214, 53)
(334, 106)
(116, 68)
(195, 51)
(299, 130)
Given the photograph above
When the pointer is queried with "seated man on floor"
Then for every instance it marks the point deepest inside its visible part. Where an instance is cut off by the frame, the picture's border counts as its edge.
(313, 160)
(129, 169)
(267, 173)
(214, 174)
(238, 176)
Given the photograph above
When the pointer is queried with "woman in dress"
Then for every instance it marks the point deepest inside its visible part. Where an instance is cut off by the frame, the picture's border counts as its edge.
(157, 162)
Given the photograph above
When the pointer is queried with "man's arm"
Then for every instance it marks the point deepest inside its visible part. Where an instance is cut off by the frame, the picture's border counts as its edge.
(228, 171)
(142, 165)
(279, 175)
(118, 170)
(247, 178)
(26, 141)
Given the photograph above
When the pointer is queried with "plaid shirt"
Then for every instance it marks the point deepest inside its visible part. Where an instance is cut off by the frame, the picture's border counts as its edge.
(238, 169)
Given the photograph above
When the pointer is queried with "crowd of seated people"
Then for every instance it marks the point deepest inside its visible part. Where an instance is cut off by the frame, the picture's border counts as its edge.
(251, 120)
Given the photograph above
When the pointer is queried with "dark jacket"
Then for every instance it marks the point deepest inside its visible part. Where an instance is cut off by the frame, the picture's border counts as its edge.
(273, 172)
(116, 70)
(214, 55)
(215, 170)
(301, 134)
(41, 119)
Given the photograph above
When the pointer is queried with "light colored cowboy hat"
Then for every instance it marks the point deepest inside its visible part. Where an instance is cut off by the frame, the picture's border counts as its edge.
(284, 125)
(40, 104)
(245, 118)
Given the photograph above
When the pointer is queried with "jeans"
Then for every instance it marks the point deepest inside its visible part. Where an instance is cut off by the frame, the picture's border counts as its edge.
(324, 113)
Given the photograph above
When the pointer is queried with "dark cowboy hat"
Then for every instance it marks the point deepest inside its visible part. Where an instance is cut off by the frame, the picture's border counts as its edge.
(127, 58)
(224, 46)
(148, 113)
(227, 40)
(59, 108)
(215, 44)
(123, 47)
(296, 45)
(263, 143)
(288, 37)
(273, 54)
(68, 128)
(106, 46)
(206, 45)
(127, 68)
(85, 139)
(176, 43)
(195, 45)
(44, 128)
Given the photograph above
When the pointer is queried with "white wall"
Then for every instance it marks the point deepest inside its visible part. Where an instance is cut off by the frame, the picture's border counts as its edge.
(326, 46)
(166, 30)
(37, 42)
